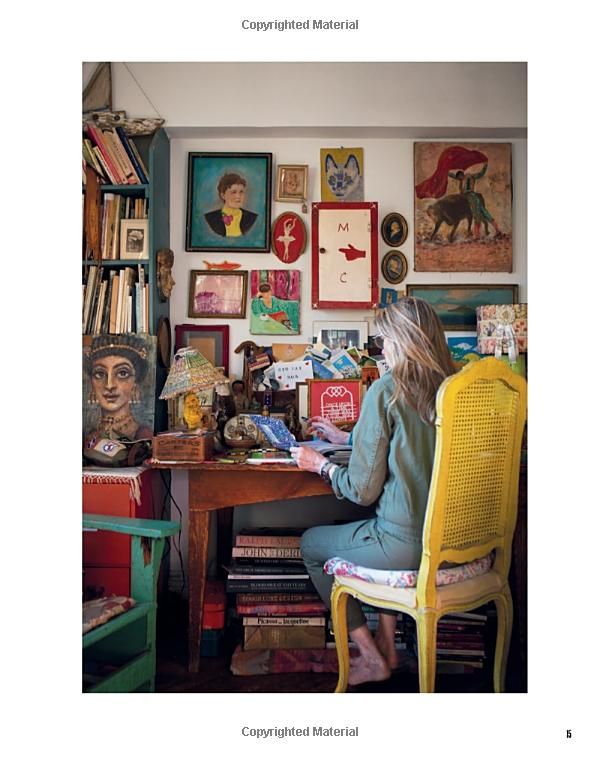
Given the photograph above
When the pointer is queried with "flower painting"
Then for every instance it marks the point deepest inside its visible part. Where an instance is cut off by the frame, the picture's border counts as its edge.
(275, 302)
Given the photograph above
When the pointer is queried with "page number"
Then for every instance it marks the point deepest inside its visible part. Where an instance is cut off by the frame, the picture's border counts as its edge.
(569, 734)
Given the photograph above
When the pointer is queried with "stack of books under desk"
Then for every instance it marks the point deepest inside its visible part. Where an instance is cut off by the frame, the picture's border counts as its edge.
(275, 600)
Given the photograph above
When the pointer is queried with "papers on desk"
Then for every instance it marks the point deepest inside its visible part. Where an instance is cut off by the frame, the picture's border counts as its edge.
(335, 452)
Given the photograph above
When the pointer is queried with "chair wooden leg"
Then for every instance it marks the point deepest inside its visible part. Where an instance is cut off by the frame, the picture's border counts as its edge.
(339, 621)
(426, 643)
(504, 609)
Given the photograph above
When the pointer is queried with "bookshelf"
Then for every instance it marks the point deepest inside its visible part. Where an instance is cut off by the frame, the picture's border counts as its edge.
(153, 196)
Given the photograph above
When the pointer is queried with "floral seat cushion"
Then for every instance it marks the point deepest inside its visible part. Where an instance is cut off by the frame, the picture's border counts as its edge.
(340, 567)
(102, 609)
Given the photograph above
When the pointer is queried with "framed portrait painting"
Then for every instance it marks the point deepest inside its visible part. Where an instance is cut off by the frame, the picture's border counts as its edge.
(217, 294)
(394, 229)
(455, 304)
(394, 267)
(229, 202)
(130, 411)
(463, 206)
(211, 341)
(344, 255)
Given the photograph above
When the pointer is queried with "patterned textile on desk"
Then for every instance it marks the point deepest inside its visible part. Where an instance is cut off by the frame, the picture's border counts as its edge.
(131, 475)
(101, 610)
(341, 567)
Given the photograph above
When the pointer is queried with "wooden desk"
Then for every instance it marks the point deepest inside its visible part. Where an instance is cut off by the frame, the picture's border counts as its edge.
(219, 486)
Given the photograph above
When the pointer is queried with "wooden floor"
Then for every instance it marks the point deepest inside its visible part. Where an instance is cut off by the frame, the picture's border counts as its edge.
(172, 674)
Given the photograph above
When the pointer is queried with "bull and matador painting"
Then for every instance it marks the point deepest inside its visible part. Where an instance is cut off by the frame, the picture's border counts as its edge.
(463, 206)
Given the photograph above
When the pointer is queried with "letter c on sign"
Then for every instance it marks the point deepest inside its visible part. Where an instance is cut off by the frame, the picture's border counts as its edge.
(343, 276)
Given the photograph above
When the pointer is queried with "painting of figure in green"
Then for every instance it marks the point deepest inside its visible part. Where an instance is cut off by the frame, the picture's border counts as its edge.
(275, 303)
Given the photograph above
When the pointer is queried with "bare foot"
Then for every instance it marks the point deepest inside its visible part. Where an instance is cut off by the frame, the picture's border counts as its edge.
(389, 652)
(368, 670)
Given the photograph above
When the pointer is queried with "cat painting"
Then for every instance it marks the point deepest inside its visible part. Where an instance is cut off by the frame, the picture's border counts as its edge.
(342, 175)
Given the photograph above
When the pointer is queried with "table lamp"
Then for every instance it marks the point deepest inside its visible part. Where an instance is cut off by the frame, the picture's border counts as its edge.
(189, 374)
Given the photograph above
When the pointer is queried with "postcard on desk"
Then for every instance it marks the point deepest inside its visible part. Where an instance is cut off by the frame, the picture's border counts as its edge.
(275, 431)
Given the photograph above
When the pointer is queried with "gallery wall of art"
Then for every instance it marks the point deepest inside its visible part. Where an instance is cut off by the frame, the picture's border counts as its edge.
(388, 180)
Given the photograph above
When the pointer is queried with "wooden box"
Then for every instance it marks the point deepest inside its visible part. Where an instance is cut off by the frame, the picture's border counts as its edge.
(182, 447)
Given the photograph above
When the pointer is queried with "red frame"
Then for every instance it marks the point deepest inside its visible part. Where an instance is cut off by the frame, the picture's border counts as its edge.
(297, 248)
(316, 303)
(316, 388)
(182, 329)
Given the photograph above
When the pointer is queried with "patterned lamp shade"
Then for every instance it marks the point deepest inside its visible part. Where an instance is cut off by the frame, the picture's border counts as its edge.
(190, 372)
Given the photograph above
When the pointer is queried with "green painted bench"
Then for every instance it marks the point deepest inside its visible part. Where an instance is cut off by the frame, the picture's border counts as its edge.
(120, 655)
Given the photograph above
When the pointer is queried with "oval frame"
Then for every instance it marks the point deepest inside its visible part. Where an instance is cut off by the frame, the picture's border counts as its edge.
(394, 240)
(394, 277)
(277, 237)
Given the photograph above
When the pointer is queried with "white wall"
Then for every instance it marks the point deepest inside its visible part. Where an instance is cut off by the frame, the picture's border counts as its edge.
(293, 109)
(422, 95)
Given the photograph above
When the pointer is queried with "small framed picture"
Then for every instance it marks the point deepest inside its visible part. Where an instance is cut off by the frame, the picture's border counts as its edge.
(288, 238)
(134, 239)
(394, 229)
(394, 267)
(336, 399)
(292, 181)
(341, 334)
(218, 294)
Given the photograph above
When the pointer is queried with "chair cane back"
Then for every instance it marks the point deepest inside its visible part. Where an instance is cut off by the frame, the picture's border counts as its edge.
(471, 511)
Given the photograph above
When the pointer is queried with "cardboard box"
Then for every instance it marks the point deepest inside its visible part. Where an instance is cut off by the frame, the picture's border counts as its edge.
(182, 447)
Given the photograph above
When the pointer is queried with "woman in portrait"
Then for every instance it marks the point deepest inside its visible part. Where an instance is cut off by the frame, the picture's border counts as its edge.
(231, 220)
(117, 365)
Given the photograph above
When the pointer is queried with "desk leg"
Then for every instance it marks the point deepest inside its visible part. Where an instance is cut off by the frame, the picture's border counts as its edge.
(199, 524)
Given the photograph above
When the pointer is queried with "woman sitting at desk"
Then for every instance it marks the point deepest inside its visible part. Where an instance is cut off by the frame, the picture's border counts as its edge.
(391, 463)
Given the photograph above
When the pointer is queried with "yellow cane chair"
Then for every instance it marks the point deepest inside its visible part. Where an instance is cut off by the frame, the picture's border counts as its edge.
(471, 511)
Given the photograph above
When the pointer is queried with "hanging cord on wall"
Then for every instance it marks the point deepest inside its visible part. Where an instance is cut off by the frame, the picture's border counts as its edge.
(142, 90)
(176, 538)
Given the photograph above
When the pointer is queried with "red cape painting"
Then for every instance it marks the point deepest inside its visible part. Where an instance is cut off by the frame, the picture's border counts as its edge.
(463, 206)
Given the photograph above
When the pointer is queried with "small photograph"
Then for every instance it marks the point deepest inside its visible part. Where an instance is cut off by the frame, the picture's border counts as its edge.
(394, 267)
(388, 296)
(134, 239)
(292, 182)
(394, 229)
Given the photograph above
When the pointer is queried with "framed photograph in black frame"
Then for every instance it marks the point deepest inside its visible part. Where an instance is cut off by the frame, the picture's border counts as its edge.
(394, 267)
(211, 341)
(394, 229)
(229, 202)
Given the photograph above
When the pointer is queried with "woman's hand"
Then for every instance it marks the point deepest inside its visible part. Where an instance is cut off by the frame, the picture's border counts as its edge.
(307, 459)
(326, 430)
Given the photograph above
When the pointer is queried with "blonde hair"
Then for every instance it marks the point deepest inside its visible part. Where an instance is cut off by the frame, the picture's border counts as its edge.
(417, 352)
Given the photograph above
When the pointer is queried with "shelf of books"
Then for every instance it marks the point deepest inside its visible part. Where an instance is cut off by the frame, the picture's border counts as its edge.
(126, 188)
(125, 222)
